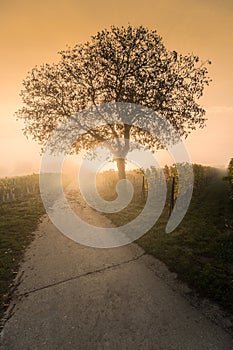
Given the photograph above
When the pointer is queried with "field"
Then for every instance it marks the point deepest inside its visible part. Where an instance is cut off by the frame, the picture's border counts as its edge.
(200, 250)
(18, 187)
(20, 210)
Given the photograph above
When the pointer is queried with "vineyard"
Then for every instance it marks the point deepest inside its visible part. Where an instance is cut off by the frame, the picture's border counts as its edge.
(106, 181)
(200, 250)
(21, 187)
(18, 187)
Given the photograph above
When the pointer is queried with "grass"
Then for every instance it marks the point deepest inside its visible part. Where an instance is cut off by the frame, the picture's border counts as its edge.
(18, 219)
(200, 250)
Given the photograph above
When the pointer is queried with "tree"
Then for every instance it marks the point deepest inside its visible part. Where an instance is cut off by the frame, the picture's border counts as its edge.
(230, 170)
(124, 64)
(230, 175)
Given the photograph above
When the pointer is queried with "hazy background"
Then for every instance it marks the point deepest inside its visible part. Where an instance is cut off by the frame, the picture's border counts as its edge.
(33, 32)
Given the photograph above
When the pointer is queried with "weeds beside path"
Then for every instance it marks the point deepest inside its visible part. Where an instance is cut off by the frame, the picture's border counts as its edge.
(18, 219)
(200, 250)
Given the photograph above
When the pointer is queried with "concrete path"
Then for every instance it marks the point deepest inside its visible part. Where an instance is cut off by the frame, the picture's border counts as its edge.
(75, 297)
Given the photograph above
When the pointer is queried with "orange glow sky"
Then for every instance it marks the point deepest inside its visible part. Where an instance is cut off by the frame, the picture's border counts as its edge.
(32, 33)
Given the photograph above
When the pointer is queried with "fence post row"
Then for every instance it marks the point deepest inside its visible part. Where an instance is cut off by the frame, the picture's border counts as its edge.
(172, 199)
(12, 189)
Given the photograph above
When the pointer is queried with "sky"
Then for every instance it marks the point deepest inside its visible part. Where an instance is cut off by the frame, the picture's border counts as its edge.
(32, 32)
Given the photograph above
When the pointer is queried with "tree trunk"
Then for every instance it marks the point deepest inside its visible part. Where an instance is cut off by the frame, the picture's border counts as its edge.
(121, 168)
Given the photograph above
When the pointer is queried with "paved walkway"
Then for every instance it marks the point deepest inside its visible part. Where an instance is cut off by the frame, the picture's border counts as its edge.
(76, 297)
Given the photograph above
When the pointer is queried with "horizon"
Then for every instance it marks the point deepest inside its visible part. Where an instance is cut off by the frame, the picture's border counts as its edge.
(72, 171)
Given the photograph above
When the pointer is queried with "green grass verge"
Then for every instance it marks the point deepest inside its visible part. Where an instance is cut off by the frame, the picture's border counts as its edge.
(200, 250)
(18, 220)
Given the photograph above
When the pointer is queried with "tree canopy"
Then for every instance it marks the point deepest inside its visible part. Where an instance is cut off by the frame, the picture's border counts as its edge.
(126, 64)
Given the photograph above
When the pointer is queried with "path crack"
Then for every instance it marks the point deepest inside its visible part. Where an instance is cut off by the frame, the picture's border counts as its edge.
(79, 276)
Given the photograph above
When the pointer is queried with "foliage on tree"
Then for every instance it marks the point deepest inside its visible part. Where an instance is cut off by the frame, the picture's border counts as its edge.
(126, 64)
(230, 170)
(230, 175)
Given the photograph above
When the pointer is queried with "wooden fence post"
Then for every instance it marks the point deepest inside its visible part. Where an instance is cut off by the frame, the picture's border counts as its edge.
(172, 200)
(143, 186)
